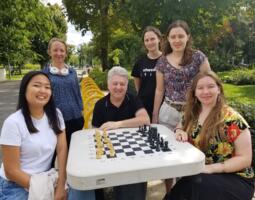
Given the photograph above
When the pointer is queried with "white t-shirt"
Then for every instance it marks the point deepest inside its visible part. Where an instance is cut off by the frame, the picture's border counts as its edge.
(36, 149)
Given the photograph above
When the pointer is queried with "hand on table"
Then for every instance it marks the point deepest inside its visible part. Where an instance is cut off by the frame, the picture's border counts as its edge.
(109, 125)
(181, 135)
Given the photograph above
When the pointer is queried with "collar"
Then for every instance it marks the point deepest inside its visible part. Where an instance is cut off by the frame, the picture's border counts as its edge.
(108, 102)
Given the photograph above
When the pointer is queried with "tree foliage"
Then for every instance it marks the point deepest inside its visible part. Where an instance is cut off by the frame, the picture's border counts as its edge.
(26, 27)
(224, 30)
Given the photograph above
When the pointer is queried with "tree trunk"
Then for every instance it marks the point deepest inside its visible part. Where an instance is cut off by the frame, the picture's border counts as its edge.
(104, 7)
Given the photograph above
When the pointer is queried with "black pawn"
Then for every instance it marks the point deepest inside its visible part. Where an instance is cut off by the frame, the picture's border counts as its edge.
(153, 146)
(166, 148)
(145, 128)
(158, 146)
(161, 142)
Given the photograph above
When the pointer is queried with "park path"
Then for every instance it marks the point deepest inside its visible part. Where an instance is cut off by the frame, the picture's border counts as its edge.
(8, 101)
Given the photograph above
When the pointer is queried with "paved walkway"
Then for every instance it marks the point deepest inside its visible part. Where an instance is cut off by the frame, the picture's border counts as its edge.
(8, 101)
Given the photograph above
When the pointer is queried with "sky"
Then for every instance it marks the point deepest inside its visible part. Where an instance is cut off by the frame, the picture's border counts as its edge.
(73, 37)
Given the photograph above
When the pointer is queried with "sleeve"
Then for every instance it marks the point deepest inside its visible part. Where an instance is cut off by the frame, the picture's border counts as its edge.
(136, 70)
(61, 120)
(97, 119)
(235, 123)
(199, 57)
(160, 65)
(10, 134)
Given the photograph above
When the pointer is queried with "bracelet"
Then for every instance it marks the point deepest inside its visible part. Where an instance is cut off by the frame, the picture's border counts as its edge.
(177, 129)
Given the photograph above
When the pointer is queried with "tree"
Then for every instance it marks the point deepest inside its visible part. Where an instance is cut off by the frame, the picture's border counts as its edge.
(14, 36)
(51, 23)
(97, 16)
(210, 22)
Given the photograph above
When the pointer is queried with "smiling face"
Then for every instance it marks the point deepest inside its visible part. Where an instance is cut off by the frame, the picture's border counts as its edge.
(178, 39)
(38, 91)
(117, 86)
(151, 41)
(207, 91)
(57, 52)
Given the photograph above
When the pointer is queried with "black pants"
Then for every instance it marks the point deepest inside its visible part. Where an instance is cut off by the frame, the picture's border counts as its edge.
(223, 186)
(135, 191)
(72, 126)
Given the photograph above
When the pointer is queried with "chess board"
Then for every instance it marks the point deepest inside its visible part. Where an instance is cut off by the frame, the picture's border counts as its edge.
(128, 143)
(136, 159)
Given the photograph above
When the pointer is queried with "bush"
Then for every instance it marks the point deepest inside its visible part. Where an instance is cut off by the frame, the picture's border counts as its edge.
(99, 77)
(246, 110)
(30, 66)
(239, 76)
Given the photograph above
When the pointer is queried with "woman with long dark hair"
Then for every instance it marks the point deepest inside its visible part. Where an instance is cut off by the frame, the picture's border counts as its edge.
(29, 138)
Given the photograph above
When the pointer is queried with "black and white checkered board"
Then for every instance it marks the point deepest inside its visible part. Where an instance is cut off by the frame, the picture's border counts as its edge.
(128, 144)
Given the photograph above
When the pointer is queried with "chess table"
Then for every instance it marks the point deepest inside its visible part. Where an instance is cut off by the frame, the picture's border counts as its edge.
(134, 160)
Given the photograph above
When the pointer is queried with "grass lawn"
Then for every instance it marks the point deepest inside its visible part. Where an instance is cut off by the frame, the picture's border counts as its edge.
(242, 93)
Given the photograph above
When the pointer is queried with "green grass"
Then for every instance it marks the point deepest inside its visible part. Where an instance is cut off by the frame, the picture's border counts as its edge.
(244, 94)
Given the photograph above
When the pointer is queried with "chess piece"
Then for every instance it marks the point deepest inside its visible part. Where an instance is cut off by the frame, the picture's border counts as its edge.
(144, 128)
(112, 152)
(153, 146)
(166, 148)
(158, 146)
(161, 142)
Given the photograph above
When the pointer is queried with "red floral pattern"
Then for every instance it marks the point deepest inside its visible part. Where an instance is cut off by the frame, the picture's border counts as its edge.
(219, 149)
(233, 132)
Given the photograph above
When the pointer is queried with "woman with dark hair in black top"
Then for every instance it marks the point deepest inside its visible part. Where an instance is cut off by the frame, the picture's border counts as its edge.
(144, 71)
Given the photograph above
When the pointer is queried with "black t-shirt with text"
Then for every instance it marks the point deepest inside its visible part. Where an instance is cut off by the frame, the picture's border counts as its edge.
(144, 69)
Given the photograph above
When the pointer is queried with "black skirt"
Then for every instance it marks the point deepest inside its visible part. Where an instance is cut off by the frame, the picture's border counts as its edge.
(223, 186)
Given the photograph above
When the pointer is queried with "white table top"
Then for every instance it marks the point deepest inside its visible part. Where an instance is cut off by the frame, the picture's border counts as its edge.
(85, 172)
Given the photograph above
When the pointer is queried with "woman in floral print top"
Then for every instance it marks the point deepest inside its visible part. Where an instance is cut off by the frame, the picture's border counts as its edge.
(223, 135)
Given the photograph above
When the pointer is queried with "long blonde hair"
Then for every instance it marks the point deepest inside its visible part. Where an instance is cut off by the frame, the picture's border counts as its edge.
(214, 122)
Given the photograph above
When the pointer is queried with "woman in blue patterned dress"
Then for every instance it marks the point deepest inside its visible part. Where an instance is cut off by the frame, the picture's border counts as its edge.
(66, 89)
(223, 135)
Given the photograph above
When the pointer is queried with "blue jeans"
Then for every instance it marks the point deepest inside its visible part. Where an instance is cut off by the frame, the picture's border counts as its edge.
(11, 191)
(80, 194)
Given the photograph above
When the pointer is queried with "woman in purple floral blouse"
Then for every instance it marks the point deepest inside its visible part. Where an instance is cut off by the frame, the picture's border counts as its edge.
(223, 135)
(174, 73)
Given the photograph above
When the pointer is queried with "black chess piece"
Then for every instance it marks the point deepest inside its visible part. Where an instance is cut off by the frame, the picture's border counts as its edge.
(161, 142)
(158, 146)
(153, 146)
(144, 128)
(165, 147)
